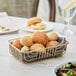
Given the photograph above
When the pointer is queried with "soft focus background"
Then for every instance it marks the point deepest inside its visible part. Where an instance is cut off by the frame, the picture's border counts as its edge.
(29, 8)
(21, 8)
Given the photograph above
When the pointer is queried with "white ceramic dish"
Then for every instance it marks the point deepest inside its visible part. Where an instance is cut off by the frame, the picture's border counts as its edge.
(11, 30)
(59, 66)
(49, 27)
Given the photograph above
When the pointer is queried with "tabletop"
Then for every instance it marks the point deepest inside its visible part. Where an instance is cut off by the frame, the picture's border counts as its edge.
(9, 66)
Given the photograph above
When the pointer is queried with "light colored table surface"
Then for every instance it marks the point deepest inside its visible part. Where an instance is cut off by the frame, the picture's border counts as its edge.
(9, 66)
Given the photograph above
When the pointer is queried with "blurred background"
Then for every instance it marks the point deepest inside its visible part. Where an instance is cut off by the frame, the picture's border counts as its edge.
(21, 8)
(40, 8)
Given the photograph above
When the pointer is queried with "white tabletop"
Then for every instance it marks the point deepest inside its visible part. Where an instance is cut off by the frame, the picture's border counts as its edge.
(9, 66)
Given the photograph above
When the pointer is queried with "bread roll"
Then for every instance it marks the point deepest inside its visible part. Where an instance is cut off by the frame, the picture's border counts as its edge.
(52, 44)
(52, 36)
(38, 47)
(40, 37)
(17, 44)
(33, 21)
(39, 26)
(24, 48)
(26, 41)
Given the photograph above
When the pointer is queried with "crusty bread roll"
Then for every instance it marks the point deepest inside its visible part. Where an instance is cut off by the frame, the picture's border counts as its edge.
(26, 41)
(40, 37)
(39, 26)
(38, 47)
(17, 44)
(33, 21)
(52, 36)
(24, 48)
(52, 44)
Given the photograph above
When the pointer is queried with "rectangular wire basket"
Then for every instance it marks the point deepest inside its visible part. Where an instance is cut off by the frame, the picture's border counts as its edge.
(30, 56)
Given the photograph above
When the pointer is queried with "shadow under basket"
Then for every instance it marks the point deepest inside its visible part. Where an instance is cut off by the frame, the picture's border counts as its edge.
(30, 56)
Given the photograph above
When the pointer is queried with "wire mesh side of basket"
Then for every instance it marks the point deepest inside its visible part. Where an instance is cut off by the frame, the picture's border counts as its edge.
(16, 52)
(30, 56)
(55, 52)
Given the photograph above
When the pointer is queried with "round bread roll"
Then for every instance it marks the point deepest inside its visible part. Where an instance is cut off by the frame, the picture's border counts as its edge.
(26, 41)
(17, 44)
(33, 21)
(39, 26)
(52, 44)
(40, 37)
(24, 48)
(38, 47)
(52, 36)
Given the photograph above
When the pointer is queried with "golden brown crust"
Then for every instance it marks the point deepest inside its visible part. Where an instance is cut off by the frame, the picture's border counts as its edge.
(40, 37)
(39, 26)
(33, 21)
(26, 41)
(52, 36)
(24, 48)
(17, 44)
(38, 47)
(52, 44)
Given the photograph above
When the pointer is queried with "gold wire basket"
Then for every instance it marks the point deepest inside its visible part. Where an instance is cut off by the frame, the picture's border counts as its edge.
(30, 56)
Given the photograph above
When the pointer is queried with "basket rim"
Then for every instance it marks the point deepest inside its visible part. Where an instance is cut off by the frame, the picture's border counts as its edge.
(11, 40)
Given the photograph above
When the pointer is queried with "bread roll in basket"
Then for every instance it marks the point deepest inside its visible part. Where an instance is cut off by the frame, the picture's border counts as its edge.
(30, 56)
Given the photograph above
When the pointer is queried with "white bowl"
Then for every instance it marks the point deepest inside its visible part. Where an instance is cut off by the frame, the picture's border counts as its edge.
(60, 65)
